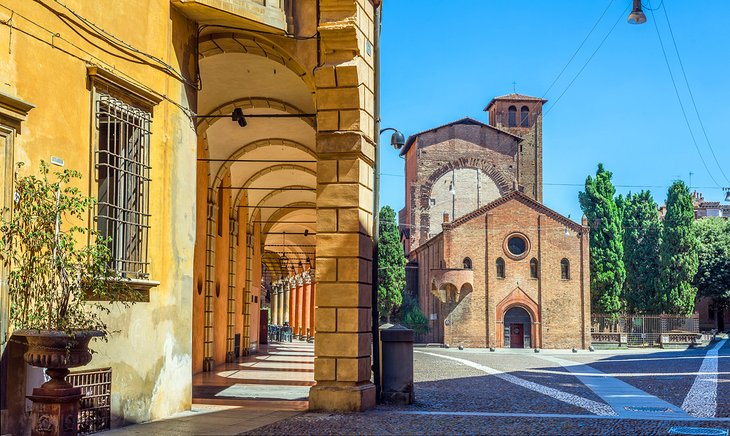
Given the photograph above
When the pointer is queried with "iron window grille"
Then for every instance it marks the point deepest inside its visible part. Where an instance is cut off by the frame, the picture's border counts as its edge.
(123, 172)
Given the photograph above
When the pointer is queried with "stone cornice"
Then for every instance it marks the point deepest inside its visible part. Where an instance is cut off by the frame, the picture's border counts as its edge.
(14, 108)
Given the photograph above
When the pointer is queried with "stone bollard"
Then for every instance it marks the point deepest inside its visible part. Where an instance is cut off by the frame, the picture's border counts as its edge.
(396, 364)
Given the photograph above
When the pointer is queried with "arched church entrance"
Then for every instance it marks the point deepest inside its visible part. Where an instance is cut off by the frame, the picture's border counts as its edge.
(517, 328)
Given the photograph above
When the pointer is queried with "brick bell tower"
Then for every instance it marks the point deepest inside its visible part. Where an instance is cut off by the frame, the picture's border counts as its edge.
(521, 115)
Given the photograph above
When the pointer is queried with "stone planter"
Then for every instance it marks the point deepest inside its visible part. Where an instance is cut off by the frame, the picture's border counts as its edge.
(56, 402)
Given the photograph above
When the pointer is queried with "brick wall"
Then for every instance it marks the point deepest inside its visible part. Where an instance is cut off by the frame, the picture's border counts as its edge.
(456, 151)
(562, 312)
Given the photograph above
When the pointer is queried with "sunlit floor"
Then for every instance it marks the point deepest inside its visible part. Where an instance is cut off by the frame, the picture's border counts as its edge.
(279, 378)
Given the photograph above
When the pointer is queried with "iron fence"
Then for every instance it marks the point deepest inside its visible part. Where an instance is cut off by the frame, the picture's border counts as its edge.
(95, 408)
(642, 330)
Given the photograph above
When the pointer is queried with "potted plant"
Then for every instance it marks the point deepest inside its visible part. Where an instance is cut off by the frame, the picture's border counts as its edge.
(59, 282)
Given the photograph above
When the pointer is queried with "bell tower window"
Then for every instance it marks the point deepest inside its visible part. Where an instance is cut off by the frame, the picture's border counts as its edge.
(524, 116)
(512, 116)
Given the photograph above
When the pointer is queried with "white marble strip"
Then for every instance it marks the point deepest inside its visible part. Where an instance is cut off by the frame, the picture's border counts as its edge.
(575, 400)
(701, 400)
(627, 400)
(543, 415)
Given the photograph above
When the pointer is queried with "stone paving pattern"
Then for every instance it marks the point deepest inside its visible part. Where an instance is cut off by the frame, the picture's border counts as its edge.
(447, 390)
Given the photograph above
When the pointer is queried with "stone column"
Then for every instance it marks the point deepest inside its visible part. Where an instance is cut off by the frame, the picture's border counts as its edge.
(286, 309)
(293, 305)
(300, 308)
(273, 305)
(313, 311)
(280, 304)
(307, 307)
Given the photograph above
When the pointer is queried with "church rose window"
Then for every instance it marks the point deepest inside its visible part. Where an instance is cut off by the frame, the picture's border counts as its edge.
(517, 245)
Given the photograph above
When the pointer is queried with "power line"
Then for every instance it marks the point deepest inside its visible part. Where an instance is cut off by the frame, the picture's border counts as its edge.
(679, 99)
(623, 13)
(691, 95)
(578, 49)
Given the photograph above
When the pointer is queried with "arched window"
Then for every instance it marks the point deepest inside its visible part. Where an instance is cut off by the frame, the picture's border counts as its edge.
(467, 263)
(524, 116)
(512, 116)
(565, 269)
(533, 268)
(500, 268)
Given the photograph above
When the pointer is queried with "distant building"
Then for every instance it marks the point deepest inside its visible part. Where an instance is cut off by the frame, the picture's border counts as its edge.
(491, 265)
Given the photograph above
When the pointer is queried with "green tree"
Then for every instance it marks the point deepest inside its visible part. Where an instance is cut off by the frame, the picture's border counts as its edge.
(713, 273)
(641, 233)
(391, 265)
(678, 252)
(606, 245)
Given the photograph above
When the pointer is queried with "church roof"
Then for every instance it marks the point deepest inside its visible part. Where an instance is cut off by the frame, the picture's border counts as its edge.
(465, 120)
(513, 97)
(522, 198)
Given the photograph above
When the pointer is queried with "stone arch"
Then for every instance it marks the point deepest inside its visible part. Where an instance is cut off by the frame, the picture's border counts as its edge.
(280, 213)
(248, 43)
(251, 146)
(226, 109)
(272, 194)
(502, 180)
(518, 298)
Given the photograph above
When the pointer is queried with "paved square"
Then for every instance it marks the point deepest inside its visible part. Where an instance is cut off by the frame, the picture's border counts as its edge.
(551, 392)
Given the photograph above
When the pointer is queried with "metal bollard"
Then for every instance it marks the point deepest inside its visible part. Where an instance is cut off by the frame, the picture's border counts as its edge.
(396, 364)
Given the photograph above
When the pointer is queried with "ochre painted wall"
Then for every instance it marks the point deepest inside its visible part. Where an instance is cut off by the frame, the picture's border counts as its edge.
(150, 355)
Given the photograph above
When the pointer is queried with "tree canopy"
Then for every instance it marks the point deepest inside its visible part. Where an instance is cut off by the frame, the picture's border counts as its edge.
(606, 243)
(713, 274)
(391, 265)
(678, 252)
(642, 231)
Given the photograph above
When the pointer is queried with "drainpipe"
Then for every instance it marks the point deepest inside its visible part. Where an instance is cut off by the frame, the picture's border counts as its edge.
(376, 203)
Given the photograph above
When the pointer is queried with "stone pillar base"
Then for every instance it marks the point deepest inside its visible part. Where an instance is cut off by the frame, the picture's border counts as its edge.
(55, 411)
(342, 398)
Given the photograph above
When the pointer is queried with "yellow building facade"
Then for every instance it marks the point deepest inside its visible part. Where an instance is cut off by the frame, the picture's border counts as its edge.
(231, 146)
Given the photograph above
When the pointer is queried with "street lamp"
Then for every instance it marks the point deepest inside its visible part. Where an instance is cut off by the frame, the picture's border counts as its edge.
(397, 140)
(637, 15)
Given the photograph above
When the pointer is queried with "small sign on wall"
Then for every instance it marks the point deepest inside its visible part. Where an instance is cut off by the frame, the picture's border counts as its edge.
(433, 317)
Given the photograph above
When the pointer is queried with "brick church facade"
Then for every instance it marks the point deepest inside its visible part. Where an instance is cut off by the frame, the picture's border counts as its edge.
(490, 264)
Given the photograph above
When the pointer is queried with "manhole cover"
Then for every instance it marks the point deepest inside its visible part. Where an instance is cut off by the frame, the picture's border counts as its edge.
(698, 431)
(647, 409)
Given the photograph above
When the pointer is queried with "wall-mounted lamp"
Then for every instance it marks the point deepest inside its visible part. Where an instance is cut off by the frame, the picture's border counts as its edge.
(397, 139)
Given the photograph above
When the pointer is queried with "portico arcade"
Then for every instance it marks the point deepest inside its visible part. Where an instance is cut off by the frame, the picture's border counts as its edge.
(288, 194)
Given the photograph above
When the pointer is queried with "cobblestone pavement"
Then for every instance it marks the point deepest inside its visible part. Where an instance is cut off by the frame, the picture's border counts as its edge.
(521, 392)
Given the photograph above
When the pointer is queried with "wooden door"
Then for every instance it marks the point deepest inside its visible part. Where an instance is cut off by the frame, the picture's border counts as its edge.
(516, 336)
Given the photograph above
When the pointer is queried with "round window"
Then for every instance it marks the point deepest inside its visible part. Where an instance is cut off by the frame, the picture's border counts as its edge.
(516, 245)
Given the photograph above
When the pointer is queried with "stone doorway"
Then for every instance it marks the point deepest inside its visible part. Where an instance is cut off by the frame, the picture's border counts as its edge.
(517, 328)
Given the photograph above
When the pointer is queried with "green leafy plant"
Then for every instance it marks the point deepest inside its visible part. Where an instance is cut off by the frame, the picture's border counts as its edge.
(59, 276)
(606, 243)
(391, 265)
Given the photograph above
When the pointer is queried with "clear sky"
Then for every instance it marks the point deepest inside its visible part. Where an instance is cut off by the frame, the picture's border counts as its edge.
(444, 60)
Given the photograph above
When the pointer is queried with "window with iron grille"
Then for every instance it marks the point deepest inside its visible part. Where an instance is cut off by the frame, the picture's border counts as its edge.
(123, 174)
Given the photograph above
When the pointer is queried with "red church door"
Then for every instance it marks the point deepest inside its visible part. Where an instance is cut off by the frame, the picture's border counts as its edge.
(516, 336)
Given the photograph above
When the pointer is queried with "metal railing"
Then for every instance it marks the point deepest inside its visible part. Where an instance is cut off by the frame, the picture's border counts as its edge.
(95, 406)
(642, 330)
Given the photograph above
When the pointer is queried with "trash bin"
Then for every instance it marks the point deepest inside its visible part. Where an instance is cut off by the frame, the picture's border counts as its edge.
(396, 364)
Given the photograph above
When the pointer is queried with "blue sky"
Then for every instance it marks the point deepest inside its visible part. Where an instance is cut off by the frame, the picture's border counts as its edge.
(443, 60)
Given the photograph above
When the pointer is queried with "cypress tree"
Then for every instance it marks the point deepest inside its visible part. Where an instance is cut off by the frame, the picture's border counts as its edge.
(391, 265)
(642, 228)
(678, 252)
(606, 245)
